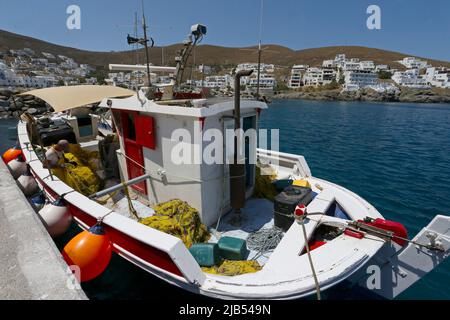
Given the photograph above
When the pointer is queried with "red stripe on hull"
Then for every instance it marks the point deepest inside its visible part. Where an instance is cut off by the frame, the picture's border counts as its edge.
(47, 189)
(150, 254)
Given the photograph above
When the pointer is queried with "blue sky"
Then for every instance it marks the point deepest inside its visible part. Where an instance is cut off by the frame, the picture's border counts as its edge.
(410, 26)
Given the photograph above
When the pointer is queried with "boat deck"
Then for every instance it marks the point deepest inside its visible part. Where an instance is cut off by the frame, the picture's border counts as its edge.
(256, 215)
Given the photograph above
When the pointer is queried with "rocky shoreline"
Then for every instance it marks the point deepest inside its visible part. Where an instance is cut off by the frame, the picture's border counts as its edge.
(403, 95)
(11, 105)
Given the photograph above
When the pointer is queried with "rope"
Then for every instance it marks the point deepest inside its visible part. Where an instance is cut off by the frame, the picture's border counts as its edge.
(293, 216)
(217, 233)
(301, 220)
(264, 240)
(100, 219)
(171, 175)
(130, 203)
(111, 195)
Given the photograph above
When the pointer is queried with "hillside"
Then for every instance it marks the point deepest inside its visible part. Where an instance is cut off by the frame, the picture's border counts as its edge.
(211, 55)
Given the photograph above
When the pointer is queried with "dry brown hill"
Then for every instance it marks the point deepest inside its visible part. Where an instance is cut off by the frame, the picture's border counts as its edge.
(211, 55)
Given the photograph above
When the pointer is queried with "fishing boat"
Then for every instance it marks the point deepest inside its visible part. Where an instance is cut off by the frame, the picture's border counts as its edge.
(310, 236)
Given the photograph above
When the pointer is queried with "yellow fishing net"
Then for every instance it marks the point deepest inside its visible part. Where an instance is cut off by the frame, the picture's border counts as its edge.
(177, 218)
(264, 187)
(81, 176)
(234, 268)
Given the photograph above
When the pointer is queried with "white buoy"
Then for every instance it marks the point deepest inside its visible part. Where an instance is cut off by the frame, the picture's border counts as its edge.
(17, 166)
(28, 184)
(56, 217)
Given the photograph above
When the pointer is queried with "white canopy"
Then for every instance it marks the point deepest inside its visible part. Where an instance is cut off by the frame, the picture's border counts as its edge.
(140, 67)
(69, 97)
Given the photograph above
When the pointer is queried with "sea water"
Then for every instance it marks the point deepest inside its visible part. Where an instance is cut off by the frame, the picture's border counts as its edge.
(396, 156)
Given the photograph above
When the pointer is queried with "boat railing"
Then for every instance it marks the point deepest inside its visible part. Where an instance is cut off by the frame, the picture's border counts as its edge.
(296, 163)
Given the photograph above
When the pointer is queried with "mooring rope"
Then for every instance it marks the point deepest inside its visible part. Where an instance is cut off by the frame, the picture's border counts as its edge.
(316, 281)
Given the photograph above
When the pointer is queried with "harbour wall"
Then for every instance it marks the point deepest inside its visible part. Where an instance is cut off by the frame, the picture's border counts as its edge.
(31, 265)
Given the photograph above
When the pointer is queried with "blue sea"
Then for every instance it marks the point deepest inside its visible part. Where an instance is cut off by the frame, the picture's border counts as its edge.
(396, 156)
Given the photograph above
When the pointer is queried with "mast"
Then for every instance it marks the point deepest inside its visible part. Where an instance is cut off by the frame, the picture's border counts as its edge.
(144, 25)
(136, 48)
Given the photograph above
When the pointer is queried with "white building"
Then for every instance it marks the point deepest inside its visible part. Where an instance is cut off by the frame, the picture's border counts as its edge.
(438, 77)
(297, 73)
(8, 78)
(410, 78)
(328, 64)
(91, 80)
(266, 68)
(413, 63)
(358, 79)
(205, 69)
(382, 67)
(265, 81)
(318, 76)
(48, 55)
(217, 81)
(340, 60)
(351, 65)
(367, 65)
(39, 61)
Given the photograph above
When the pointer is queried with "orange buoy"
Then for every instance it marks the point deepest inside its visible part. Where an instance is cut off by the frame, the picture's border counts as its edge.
(90, 250)
(12, 153)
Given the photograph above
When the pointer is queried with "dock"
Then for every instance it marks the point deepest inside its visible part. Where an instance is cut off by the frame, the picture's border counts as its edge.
(32, 266)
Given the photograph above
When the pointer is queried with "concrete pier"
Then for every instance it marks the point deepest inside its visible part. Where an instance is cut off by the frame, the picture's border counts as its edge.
(31, 265)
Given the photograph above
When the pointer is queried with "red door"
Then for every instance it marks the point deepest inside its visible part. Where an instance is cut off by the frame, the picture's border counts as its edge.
(133, 150)
(135, 166)
(145, 135)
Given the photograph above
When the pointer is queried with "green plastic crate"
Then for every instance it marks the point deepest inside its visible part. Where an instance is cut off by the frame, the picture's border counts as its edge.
(206, 254)
(231, 248)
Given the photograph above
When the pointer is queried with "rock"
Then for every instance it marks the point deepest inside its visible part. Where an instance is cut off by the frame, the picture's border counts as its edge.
(5, 92)
(16, 106)
(28, 98)
(4, 104)
(402, 95)
(32, 111)
(4, 115)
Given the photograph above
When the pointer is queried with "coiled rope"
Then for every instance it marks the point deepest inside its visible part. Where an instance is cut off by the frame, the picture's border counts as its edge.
(264, 240)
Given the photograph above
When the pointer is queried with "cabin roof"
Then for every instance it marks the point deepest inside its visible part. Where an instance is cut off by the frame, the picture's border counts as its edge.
(193, 108)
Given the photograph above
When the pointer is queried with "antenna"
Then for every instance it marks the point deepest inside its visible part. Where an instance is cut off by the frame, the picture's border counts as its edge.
(143, 42)
(259, 48)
